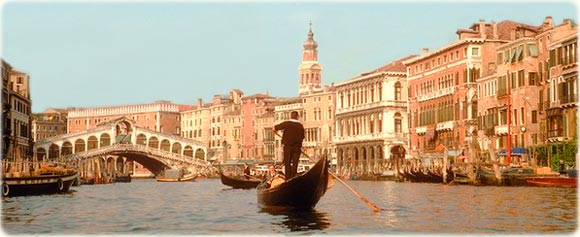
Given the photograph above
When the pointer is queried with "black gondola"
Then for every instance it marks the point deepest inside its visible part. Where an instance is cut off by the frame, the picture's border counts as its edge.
(43, 183)
(300, 192)
(241, 182)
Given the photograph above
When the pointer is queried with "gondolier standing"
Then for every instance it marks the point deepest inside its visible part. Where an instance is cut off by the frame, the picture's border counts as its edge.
(292, 142)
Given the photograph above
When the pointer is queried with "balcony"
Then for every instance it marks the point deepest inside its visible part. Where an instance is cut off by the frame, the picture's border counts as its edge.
(367, 106)
(436, 94)
(392, 136)
(501, 130)
(309, 144)
(445, 126)
(421, 130)
(568, 101)
(555, 133)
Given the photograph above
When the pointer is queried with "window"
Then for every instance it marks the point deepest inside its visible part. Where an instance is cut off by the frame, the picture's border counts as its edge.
(534, 116)
(475, 51)
(397, 91)
(532, 78)
(533, 50)
(398, 126)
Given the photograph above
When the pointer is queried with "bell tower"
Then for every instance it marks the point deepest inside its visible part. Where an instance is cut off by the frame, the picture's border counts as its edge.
(310, 71)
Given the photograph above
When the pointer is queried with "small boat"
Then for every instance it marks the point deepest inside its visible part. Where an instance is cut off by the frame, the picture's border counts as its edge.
(49, 179)
(301, 192)
(563, 182)
(176, 175)
(242, 182)
(568, 179)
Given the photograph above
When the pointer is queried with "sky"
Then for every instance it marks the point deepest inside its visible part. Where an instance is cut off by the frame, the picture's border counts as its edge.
(109, 53)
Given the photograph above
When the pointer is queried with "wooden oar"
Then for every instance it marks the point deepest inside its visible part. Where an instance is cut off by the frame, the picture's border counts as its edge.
(366, 201)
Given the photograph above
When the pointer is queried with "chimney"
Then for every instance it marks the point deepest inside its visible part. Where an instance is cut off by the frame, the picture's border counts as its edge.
(425, 51)
(494, 27)
(482, 29)
(548, 21)
(199, 102)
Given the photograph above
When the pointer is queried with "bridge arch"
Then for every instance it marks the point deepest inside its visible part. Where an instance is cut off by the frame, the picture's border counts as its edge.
(53, 151)
(40, 153)
(67, 148)
(79, 145)
(154, 142)
(141, 139)
(188, 151)
(92, 143)
(105, 140)
(200, 154)
(165, 145)
(176, 148)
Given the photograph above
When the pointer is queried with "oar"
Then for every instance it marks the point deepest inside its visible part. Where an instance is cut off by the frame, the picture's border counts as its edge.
(366, 201)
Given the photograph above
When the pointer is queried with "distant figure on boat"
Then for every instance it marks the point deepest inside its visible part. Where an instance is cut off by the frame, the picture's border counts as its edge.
(246, 171)
(292, 141)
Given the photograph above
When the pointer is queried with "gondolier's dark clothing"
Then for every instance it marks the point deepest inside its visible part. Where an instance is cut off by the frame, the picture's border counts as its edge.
(292, 141)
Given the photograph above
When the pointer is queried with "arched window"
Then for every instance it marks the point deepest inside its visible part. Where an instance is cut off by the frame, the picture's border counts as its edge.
(398, 126)
(398, 91)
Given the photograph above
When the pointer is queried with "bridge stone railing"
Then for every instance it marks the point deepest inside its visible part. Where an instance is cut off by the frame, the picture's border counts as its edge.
(137, 148)
(172, 136)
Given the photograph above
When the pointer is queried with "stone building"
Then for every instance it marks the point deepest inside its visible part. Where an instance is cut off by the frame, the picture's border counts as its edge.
(371, 120)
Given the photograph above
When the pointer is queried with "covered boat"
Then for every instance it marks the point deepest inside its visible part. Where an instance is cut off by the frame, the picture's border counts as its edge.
(300, 192)
(49, 179)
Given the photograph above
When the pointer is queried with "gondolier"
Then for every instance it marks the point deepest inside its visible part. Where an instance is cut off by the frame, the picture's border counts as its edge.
(292, 141)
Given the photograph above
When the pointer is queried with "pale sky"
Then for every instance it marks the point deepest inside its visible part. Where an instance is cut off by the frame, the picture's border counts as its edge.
(107, 53)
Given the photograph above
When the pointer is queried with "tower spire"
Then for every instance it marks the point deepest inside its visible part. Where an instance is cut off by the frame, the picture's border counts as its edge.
(310, 70)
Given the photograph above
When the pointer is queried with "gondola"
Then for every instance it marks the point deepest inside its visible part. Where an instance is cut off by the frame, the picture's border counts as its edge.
(298, 193)
(241, 182)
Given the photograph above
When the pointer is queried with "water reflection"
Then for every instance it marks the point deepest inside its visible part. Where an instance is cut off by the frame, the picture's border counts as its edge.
(298, 220)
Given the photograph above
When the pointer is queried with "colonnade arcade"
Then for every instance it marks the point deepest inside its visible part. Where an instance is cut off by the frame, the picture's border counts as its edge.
(367, 158)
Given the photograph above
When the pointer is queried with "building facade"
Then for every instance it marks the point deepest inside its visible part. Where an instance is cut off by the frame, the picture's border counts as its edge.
(443, 88)
(371, 120)
(20, 115)
(160, 116)
(49, 123)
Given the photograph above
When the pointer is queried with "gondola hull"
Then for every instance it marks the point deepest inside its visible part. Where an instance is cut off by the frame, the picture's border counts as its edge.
(301, 192)
(38, 185)
(239, 183)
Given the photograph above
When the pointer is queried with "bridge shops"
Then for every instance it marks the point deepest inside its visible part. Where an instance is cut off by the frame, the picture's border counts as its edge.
(117, 148)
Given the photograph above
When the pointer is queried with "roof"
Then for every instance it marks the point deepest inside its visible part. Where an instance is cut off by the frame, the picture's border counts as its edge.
(394, 66)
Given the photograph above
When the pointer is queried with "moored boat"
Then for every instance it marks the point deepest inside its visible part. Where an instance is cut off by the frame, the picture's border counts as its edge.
(300, 192)
(563, 182)
(49, 179)
(175, 175)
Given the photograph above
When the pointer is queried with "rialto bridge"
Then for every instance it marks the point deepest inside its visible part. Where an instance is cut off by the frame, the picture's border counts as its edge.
(109, 147)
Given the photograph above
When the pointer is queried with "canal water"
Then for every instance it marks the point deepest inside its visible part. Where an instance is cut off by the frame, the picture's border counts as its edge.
(206, 207)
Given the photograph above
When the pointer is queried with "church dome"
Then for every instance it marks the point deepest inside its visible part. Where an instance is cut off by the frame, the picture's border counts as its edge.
(310, 43)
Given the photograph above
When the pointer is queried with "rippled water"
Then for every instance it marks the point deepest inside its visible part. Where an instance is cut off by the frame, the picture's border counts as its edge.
(206, 207)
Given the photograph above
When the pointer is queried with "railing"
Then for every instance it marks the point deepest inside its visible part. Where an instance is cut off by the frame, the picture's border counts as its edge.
(421, 130)
(555, 133)
(139, 149)
(374, 136)
(68, 135)
(367, 106)
(445, 125)
(436, 94)
(174, 137)
(501, 129)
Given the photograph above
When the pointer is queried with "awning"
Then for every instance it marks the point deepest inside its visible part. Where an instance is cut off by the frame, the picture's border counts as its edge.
(518, 151)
